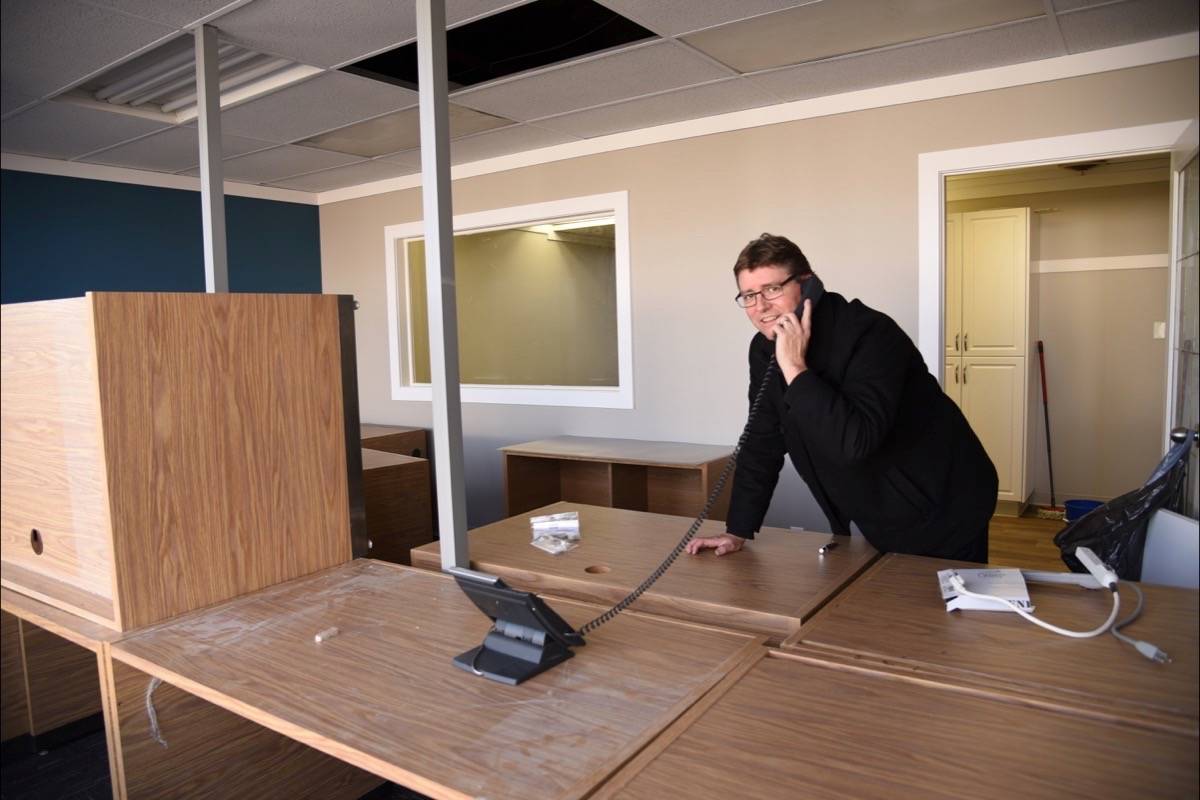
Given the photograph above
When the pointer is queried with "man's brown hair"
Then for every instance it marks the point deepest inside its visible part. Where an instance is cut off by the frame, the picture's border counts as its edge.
(772, 251)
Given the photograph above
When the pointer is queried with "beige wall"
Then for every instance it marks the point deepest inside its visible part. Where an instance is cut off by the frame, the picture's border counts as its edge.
(1106, 373)
(844, 187)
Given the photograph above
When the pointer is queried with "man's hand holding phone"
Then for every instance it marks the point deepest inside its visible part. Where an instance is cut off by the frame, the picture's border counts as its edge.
(791, 342)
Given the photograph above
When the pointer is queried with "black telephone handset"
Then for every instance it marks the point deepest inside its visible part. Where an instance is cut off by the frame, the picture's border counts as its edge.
(811, 288)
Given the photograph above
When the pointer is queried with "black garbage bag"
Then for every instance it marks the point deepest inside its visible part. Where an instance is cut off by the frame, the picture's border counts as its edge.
(1116, 531)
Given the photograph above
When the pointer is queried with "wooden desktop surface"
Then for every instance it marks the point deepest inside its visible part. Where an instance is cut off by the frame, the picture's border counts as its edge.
(78, 630)
(621, 451)
(383, 695)
(792, 727)
(894, 613)
(770, 587)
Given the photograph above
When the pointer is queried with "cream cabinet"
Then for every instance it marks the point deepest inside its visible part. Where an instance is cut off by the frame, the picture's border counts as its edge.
(987, 325)
(992, 391)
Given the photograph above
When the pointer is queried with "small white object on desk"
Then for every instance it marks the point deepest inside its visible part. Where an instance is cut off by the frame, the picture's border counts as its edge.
(1006, 583)
(326, 635)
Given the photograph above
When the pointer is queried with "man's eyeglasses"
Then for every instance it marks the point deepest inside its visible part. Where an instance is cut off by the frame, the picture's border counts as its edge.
(770, 292)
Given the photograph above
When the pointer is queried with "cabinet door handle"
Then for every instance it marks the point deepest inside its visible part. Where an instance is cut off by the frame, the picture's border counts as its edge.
(956, 373)
(965, 345)
(964, 373)
(956, 343)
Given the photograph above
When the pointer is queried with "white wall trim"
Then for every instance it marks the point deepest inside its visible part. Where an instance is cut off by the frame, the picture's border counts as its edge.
(399, 352)
(933, 167)
(1049, 69)
(100, 172)
(1100, 264)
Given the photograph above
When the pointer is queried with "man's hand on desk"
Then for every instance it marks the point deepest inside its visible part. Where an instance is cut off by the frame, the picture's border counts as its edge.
(725, 543)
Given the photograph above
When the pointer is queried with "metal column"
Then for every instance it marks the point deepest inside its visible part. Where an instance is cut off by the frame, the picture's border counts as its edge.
(439, 266)
(212, 177)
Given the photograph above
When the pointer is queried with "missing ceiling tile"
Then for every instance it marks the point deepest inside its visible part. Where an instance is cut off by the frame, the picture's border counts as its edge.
(529, 36)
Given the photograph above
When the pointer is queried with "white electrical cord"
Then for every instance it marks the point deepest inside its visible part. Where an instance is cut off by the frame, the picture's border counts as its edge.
(960, 585)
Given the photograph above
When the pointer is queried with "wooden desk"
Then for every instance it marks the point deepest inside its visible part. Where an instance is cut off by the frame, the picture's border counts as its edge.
(895, 614)
(787, 726)
(663, 477)
(53, 661)
(398, 502)
(396, 439)
(72, 674)
(384, 696)
(771, 587)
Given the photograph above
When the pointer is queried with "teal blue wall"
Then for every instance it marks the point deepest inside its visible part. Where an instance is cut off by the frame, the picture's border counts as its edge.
(61, 237)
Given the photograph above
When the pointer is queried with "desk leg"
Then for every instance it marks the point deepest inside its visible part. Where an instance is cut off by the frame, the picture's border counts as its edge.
(14, 708)
(211, 752)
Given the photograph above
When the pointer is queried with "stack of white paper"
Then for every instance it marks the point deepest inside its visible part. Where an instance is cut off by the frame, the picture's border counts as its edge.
(1006, 583)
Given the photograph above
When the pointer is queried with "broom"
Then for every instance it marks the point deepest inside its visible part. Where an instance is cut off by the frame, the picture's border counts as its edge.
(1054, 511)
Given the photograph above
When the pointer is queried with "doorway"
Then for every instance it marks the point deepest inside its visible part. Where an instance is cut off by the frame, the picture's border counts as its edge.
(934, 168)
(1074, 255)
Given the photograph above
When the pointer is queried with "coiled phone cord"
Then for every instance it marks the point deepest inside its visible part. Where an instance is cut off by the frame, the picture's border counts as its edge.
(703, 515)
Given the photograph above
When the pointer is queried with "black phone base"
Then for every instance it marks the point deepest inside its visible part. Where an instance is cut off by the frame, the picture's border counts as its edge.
(513, 657)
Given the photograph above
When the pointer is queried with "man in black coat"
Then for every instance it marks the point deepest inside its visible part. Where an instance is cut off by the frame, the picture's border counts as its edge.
(851, 402)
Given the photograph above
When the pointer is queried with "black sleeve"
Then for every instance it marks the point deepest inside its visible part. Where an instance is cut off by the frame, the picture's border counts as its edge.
(760, 459)
(848, 423)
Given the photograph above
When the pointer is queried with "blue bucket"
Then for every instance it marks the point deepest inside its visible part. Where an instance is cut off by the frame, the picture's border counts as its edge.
(1077, 508)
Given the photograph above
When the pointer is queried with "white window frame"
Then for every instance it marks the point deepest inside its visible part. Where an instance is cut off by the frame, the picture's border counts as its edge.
(615, 204)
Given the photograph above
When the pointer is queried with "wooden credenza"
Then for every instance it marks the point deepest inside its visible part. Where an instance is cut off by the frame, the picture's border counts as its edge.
(661, 477)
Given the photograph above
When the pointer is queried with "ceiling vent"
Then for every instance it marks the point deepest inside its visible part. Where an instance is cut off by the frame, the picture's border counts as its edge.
(161, 84)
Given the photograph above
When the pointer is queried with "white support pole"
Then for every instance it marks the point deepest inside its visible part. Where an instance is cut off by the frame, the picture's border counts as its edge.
(439, 270)
(212, 176)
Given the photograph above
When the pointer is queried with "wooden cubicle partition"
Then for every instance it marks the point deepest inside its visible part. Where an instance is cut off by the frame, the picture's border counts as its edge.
(163, 452)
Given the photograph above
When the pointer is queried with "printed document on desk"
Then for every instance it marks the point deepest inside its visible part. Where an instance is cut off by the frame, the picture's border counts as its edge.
(1006, 583)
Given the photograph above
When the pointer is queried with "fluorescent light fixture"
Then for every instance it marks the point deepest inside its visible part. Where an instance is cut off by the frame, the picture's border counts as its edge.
(548, 228)
(162, 84)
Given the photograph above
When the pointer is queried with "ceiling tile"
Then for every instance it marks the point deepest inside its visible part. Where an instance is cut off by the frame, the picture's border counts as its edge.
(407, 158)
(629, 73)
(179, 13)
(822, 30)
(400, 131)
(331, 33)
(353, 175)
(49, 45)
(62, 130)
(673, 17)
(1010, 44)
(11, 98)
(1125, 23)
(267, 166)
(734, 94)
(514, 139)
(330, 100)
(1068, 5)
(172, 150)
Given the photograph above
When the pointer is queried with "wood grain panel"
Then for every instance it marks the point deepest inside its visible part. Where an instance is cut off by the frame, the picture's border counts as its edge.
(398, 502)
(383, 693)
(214, 753)
(894, 613)
(586, 482)
(51, 449)
(83, 632)
(770, 587)
(396, 439)
(629, 486)
(529, 483)
(226, 446)
(622, 451)
(801, 728)
(62, 677)
(14, 711)
(674, 491)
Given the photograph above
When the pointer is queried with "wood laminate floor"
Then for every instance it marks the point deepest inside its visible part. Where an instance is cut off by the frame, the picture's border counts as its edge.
(1026, 542)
